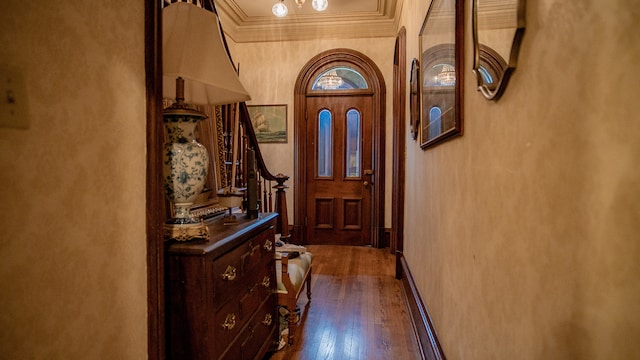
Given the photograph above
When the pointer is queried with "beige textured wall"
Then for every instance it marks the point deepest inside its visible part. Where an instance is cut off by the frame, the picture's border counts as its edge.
(269, 72)
(523, 233)
(72, 185)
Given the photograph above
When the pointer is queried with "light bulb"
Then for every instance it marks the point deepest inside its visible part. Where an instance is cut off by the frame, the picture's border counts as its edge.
(320, 5)
(280, 9)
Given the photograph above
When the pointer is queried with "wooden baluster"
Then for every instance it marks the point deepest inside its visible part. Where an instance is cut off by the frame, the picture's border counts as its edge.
(259, 181)
(265, 206)
(270, 198)
(229, 145)
(245, 145)
(238, 146)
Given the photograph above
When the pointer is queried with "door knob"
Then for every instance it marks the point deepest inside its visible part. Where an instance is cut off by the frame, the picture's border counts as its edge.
(365, 183)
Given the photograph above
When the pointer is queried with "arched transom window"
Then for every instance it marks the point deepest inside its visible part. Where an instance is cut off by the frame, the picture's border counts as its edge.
(339, 78)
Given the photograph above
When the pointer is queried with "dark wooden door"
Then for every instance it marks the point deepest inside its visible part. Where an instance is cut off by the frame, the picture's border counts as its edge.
(339, 169)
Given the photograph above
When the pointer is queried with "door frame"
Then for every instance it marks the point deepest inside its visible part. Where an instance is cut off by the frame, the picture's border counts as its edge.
(155, 203)
(375, 80)
(399, 146)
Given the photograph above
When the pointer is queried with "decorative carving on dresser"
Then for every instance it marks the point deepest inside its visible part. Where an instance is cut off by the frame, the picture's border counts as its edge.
(221, 292)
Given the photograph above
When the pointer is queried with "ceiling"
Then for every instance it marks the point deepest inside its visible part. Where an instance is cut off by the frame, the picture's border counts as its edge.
(252, 20)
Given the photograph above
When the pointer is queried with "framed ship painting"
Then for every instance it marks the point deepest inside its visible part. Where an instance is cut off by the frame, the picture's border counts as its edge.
(269, 122)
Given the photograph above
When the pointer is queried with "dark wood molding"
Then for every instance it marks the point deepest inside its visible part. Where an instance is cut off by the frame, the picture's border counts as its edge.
(155, 204)
(303, 83)
(399, 141)
(386, 240)
(425, 331)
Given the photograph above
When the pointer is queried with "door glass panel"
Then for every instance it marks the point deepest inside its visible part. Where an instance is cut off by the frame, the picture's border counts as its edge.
(340, 78)
(435, 122)
(353, 144)
(325, 168)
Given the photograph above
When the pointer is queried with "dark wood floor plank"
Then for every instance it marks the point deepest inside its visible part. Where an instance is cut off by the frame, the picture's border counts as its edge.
(357, 309)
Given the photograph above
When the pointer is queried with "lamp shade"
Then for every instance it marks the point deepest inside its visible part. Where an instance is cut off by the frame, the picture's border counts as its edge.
(193, 49)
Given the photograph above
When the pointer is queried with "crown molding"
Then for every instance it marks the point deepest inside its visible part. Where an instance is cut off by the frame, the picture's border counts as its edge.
(373, 24)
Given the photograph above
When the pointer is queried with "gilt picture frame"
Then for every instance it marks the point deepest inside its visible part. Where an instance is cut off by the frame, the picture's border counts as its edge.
(269, 122)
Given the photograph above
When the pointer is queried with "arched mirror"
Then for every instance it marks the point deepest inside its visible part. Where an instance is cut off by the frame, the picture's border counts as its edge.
(498, 27)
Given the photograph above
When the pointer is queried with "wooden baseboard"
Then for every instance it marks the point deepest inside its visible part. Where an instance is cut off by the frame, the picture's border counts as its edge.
(423, 326)
(386, 240)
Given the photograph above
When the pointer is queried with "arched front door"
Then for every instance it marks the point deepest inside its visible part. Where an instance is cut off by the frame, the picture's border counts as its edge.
(339, 150)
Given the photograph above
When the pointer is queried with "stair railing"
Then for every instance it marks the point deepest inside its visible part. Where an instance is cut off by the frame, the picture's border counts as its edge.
(247, 140)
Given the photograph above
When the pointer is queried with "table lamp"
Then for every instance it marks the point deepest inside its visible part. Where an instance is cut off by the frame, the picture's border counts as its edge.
(196, 70)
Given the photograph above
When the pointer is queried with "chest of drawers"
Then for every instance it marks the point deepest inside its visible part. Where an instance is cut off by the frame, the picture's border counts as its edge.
(221, 293)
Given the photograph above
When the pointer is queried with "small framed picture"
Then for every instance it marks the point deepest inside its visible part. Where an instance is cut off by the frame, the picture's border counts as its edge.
(269, 122)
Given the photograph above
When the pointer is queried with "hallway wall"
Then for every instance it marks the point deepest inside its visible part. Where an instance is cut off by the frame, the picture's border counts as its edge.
(269, 72)
(72, 185)
(523, 233)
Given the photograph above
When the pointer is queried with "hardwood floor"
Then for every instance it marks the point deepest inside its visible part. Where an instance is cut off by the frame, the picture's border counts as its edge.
(357, 309)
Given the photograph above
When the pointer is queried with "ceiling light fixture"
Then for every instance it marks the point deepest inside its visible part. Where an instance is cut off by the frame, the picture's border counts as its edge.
(279, 9)
(330, 80)
(320, 5)
(447, 76)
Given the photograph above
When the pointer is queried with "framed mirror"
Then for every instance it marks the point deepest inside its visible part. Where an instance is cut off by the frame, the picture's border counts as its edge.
(441, 76)
(498, 27)
(414, 99)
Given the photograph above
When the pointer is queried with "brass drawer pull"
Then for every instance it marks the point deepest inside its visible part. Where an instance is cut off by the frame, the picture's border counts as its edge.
(229, 274)
(229, 322)
(267, 320)
(266, 281)
(268, 245)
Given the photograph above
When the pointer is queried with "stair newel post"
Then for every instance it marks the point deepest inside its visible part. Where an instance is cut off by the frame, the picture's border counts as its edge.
(282, 224)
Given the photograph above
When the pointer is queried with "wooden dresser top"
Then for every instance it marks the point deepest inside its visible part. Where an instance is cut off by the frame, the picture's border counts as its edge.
(223, 237)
